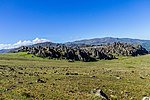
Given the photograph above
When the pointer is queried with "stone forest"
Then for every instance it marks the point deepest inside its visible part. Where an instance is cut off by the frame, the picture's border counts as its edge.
(85, 53)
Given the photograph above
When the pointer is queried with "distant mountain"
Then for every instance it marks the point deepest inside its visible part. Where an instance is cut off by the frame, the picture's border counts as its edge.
(45, 44)
(95, 41)
(4, 50)
(106, 40)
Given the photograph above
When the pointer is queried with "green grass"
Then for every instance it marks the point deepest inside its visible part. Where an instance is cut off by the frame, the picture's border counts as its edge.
(64, 80)
(20, 55)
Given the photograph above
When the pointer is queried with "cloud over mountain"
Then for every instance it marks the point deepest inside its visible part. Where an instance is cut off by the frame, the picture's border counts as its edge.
(23, 43)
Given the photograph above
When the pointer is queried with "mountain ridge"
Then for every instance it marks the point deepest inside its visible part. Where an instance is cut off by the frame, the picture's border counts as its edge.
(106, 40)
(93, 41)
(109, 39)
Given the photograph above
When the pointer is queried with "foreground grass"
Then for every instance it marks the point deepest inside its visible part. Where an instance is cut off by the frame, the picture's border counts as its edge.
(26, 77)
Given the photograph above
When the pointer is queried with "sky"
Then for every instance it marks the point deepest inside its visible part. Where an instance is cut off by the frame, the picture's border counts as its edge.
(68, 20)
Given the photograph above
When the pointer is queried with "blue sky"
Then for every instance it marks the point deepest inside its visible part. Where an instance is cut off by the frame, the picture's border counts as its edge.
(69, 20)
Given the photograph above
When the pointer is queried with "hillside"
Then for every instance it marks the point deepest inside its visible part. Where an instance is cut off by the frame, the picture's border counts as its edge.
(106, 40)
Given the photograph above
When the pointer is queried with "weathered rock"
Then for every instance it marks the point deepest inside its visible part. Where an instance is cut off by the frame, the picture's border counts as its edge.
(86, 53)
(101, 94)
(40, 81)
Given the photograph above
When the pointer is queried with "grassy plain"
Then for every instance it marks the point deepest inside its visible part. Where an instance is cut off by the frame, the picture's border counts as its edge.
(26, 77)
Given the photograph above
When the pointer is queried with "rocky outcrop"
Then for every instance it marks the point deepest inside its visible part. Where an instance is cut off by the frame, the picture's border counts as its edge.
(86, 54)
(124, 49)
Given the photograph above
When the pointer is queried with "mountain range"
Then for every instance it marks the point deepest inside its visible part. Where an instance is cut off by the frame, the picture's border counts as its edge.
(94, 41)
(106, 40)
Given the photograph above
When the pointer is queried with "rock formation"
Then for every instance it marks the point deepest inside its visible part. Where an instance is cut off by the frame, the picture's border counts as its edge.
(86, 53)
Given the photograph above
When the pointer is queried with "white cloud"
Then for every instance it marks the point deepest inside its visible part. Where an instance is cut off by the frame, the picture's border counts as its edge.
(37, 40)
(22, 43)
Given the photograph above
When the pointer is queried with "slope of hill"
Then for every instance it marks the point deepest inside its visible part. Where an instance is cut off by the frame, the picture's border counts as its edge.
(106, 40)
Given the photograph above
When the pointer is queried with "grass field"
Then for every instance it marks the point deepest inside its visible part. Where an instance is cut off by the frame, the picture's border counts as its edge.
(26, 77)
